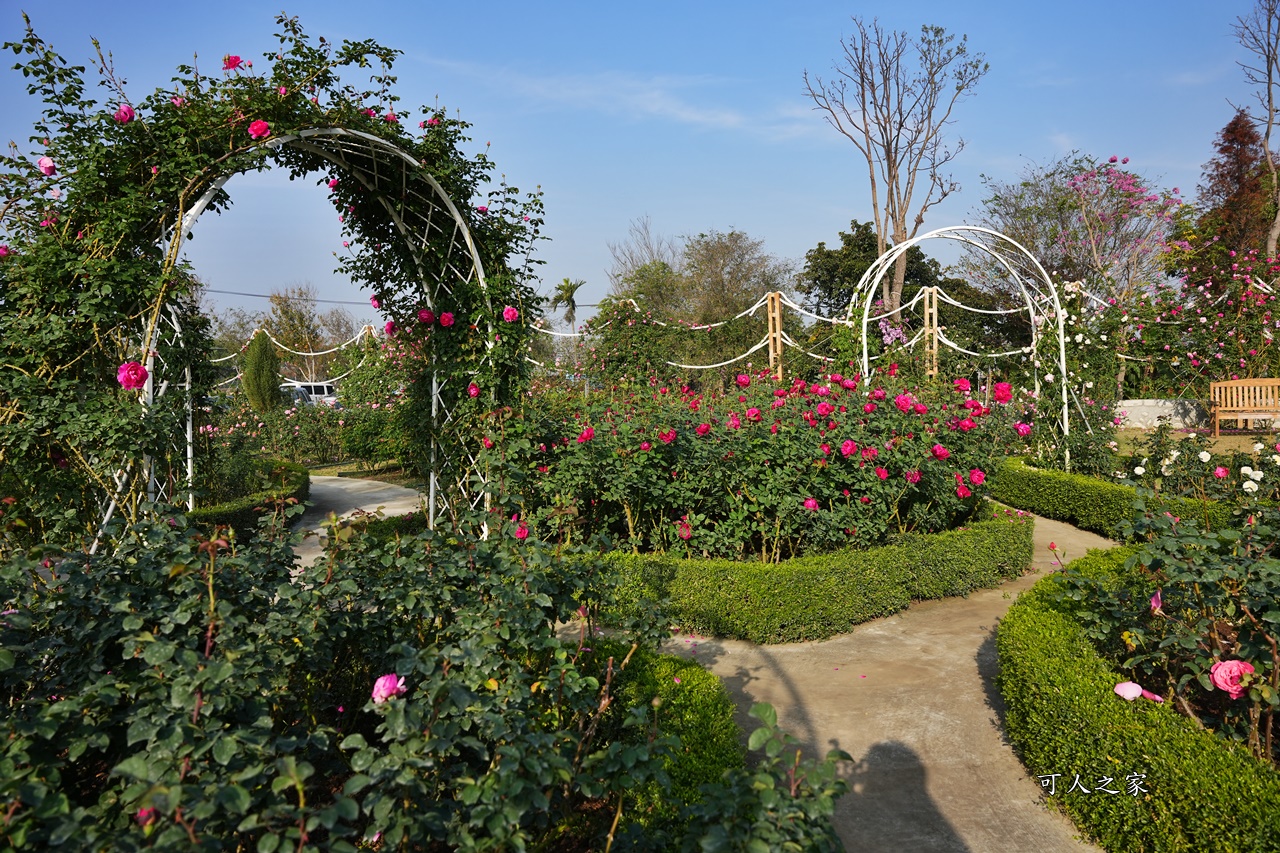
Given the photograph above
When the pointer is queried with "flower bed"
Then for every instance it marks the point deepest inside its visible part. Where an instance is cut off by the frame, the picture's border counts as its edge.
(766, 472)
(1064, 717)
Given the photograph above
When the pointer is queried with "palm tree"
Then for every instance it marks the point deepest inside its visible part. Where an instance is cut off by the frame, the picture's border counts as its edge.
(566, 295)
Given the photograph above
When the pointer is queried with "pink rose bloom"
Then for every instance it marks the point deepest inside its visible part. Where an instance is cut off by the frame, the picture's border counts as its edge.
(849, 384)
(390, 328)
(667, 437)
(486, 441)
(940, 452)
(145, 817)
(1022, 429)
(259, 130)
(1002, 392)
(177, 101)
(387, 687)
(432, 122)
(869, 408)
(510, 314)
(976, 477)
(426, 316)
(482, 208)
(522, 532)
(920, 409)
(822, 391)
(743, 380)
(124, 115)
(903, 402)
(825, 408)
(702, 429)
(811, 504)
(963, 492)
(848, 448)
(391, 117)
(473, 390)
(1156, 603)
(4, 251)
(446, 319)
(870, 453)
(231, 63)
(882, 473)
(333, 183)
(735, 422)
(683, 529)
(1227, 674)
(46, 165)
(878, 394)
(912, 476)
(1220, 472)
(962, 385)
(586, 435)
(373, 300)
(646, 446)
(132, 376)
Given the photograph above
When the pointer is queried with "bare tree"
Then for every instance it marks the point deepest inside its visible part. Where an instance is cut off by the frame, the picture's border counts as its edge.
(892, 98)
(1259, 33)
(641, 248)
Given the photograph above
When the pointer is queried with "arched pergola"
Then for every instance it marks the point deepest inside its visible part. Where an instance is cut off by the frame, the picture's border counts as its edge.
(442, 256)
(1038, 292)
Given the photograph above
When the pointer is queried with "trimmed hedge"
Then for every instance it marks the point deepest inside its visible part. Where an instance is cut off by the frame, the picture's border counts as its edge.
(695, 707)
(242, 514)
(813, 598)
(1205, 793)
(1086, 502)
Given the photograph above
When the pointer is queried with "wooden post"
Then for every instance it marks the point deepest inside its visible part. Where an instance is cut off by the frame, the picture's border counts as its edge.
(931, 330)
(775, 334)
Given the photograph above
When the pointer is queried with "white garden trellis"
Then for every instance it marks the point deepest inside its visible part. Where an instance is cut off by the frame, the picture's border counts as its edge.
(444, 257)
(1039, 294)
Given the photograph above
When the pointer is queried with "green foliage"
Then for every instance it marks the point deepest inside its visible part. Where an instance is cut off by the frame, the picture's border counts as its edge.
(200, 679)
(1063, 717)
(1087, 502)
(763, 472)
(284, 484)
(260, 375)
(812, 598)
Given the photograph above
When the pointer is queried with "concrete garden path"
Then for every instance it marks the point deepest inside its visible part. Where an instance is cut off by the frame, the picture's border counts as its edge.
(911, 697)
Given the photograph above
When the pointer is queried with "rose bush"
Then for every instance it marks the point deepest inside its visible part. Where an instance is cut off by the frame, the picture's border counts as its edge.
(762, 471)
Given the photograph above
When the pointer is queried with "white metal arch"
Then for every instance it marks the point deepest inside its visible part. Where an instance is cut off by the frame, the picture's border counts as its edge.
(1034, 283)
(444, 255)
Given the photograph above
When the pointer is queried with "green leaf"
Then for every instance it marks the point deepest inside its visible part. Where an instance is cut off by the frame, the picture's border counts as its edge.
(758, 738)
(224, 749)
(158, 652)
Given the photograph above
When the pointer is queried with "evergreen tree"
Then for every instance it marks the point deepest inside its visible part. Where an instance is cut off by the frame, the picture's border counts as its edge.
(261, 374)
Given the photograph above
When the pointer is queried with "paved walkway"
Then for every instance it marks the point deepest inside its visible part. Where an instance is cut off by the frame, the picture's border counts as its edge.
(911, 697)
(342, 496)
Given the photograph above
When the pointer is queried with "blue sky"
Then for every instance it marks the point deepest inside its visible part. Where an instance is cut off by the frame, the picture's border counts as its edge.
(690, 113)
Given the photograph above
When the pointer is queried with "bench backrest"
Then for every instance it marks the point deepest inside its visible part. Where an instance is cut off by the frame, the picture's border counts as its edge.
(1247, 394)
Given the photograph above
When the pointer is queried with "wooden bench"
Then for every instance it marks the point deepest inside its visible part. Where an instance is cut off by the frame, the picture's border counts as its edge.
(1244, 401)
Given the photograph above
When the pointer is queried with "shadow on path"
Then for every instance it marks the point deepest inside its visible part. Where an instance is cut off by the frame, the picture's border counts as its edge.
(889, 806)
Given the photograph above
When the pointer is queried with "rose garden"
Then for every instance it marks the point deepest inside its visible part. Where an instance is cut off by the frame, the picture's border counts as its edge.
(490, 671)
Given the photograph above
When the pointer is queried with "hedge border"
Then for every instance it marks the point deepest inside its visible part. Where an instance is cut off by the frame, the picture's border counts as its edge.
(1085, 502)
(242, 514)
(1063, 716)
(814, 598)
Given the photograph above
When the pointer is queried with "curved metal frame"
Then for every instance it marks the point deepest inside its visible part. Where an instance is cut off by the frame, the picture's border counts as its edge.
(424, 211)
(1035, 291)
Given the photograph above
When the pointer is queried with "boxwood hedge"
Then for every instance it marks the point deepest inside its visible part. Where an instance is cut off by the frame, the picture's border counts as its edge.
(1086, 502)
(812, 598)
(1202, 792)
(242, 514)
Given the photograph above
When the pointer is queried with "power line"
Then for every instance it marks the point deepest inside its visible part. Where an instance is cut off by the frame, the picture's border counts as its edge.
(268, 296)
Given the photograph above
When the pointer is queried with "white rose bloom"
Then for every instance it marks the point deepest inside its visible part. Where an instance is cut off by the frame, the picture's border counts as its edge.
(1249, 486)
(1275, 457)
(1079, 338)
(1139, 470)
(1204, 456)
(1257, 447)
(1246, 471)
(1120, 475)
(1256, 475)
(1048, 377)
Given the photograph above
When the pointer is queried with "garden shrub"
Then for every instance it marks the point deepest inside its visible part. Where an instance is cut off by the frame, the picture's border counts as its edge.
(1202, 792)
(292, 486)
(763, 472)
(175, 692)
(809, 598)
(1086, 502)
